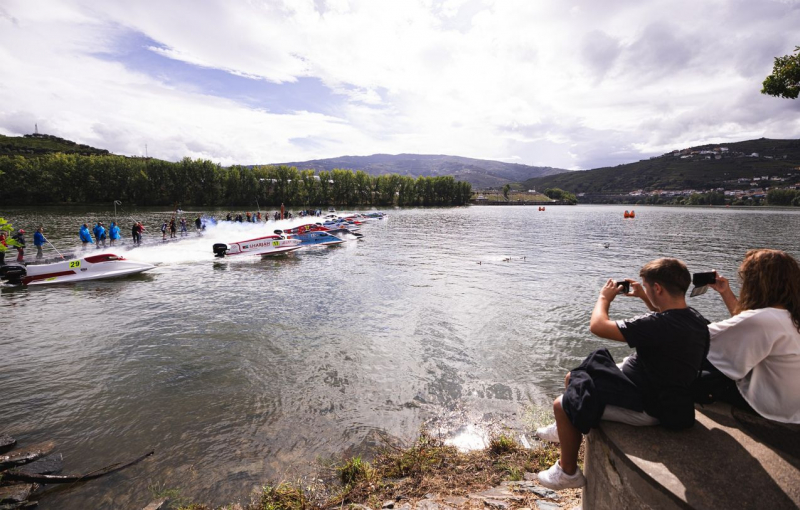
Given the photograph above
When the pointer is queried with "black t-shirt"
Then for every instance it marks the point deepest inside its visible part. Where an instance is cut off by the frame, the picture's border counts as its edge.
(670, 346)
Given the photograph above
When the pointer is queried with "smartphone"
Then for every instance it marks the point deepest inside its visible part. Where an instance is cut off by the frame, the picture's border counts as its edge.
(701, 281)
(626, 285)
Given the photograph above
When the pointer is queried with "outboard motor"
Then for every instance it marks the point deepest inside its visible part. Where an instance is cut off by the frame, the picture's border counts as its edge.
(13, 273)
(220, 249)
(279, 232)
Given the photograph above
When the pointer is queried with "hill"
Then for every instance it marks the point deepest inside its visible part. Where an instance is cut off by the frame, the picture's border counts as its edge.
(38, 144)
(480, 173)
(702, 167)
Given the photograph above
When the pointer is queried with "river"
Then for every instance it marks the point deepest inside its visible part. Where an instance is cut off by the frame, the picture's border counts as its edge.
(238, 372)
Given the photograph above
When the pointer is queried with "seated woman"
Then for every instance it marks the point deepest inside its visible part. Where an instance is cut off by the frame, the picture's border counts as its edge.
(757, 350)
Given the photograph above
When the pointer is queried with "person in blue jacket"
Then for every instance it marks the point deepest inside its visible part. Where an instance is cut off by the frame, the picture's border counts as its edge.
(100, 234)
(86, 237)
(113, 232)
(38, 241)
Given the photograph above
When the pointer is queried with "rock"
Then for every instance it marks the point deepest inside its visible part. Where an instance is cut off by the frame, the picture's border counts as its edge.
(427, 504)
(498, 493)
(495, 503)
(405, 506)
(6, 443)
(431, 495)
(531, 477)
(155, 505)
(388, 504)
(456, 500)
(546, 505)
(15, 493)
(354, 506)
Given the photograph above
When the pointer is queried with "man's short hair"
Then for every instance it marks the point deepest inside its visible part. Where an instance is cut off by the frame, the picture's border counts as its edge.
(671, 274)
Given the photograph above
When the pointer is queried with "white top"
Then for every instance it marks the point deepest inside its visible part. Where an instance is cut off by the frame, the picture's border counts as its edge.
(760, 350)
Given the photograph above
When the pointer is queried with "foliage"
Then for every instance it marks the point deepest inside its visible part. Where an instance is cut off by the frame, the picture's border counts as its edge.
(673, 173)
(38, 144)
(502, 444)
(8, 230)
(283, 497)
(506, 189)
(354, 470)
(560, 194)
(785, 78)
(783, 197)
(73, 178)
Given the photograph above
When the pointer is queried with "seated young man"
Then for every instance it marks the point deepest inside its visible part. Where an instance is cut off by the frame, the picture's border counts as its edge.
(653, 384)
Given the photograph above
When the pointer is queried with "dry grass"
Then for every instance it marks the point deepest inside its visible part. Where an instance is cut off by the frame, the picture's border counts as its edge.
(427, 466)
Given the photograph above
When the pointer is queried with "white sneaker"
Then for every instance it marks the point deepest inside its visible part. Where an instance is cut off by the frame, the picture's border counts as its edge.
(548, 433)
(555, 478)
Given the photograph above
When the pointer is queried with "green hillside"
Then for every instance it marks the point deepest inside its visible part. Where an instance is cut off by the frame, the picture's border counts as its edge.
(689, 169)
(38, 144)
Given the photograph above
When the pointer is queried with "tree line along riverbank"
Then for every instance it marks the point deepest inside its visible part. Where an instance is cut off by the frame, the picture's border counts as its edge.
(59, 178)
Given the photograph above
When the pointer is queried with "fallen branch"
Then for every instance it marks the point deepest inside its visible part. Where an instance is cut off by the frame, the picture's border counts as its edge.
(26, 455)
(46, 479)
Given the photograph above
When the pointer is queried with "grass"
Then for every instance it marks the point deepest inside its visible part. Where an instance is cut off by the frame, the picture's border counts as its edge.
(409, 473)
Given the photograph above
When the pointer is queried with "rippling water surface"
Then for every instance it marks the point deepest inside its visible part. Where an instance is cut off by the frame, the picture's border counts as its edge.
(242, 371)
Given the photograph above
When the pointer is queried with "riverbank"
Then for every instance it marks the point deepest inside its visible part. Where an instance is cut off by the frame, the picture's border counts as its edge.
(428, 474)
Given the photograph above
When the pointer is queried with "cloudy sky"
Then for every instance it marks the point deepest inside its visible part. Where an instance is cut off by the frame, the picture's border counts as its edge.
(570, 84)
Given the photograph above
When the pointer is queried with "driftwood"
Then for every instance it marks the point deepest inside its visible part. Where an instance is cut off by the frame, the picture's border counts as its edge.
(46, 479)
(26, 455)
(6, 443)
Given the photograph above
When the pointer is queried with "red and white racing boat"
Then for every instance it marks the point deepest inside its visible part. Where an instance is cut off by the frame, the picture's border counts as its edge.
(263, 246)
(93, 267)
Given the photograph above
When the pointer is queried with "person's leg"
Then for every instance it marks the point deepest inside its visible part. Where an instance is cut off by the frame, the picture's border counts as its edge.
(570, 439)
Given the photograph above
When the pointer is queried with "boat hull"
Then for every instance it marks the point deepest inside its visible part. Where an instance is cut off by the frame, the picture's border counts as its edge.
(261, 246)
(94, 267)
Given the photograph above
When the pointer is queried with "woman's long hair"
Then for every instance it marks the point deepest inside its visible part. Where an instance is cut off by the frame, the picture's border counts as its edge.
(770, 278)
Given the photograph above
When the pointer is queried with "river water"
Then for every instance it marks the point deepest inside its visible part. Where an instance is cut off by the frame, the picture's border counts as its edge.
(238, 372)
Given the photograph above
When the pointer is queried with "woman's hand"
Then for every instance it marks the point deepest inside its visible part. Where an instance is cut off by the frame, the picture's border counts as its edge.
(724, 289)
(721, 285)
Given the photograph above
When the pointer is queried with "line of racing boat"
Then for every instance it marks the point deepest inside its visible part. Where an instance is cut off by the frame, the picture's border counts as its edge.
(332, 230)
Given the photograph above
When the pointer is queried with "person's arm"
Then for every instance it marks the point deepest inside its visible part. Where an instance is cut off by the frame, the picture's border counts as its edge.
(724, 289)
(600, 324)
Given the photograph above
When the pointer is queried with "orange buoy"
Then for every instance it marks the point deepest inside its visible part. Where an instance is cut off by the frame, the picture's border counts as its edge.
(633, 214)
(627, 214)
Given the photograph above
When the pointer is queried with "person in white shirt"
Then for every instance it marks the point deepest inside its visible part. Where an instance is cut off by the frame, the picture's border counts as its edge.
(758, 348)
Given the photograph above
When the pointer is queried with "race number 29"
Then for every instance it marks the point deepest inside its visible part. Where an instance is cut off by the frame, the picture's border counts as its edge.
(275, 243)
(74, 263)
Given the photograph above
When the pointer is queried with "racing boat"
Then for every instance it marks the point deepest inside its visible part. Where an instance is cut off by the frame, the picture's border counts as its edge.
(313, 237)
(263, 246)
(94, 267)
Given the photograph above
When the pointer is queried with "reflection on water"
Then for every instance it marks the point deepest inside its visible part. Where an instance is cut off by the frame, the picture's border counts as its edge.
(241, 371)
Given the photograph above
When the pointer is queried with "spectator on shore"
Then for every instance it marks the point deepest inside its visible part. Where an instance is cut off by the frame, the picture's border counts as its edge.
(164, 231)
(651, 386)
(754, 358)
(38, 241)
(86, 237)
(113, 233)
(172, 228)
(5, 246)
(19, 237)
(183, 227)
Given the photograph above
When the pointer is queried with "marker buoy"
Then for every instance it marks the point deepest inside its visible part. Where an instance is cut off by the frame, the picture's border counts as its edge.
(627, 214)
(633, 214)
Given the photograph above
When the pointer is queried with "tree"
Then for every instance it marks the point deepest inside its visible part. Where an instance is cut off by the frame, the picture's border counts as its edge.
(785, 78)
(506, 189)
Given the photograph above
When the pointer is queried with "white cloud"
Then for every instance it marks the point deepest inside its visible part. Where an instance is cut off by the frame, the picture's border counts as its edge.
(575, 84)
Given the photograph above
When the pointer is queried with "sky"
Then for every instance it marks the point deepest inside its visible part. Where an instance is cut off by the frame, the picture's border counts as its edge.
(560, 83)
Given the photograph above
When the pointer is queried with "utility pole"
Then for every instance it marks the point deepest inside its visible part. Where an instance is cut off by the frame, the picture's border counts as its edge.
(36, 128)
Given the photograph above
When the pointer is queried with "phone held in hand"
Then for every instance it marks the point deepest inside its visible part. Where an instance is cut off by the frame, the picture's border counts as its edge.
(701, 282)
(626, 286)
